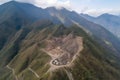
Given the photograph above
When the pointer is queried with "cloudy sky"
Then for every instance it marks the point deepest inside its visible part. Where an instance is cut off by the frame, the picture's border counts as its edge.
(92, 7)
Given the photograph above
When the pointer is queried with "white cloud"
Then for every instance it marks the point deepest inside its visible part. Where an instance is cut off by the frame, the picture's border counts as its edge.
(45, 3)
(3, 1)
(69, 5)
(48, 3)
(96, 12)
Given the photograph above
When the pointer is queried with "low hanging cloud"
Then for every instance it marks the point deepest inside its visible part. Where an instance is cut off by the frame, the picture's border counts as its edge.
(3, 1)
(56, 3)
(96, 12)
(45, 3)
(68, 4)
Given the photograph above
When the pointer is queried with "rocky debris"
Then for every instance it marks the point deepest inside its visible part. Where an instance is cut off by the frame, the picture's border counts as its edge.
(63, 48)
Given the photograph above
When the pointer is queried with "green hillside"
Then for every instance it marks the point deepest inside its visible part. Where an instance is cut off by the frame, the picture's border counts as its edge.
(93, 63)
(34, 47)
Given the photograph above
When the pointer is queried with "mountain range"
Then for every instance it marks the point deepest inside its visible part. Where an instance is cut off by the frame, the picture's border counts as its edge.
(108, 21)
(54, 44)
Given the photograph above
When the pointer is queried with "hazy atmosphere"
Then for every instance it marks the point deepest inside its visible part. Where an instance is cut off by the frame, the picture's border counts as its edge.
(92, 7)
(59, 40)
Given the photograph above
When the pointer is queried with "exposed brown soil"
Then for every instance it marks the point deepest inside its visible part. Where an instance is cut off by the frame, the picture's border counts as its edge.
(63, 49)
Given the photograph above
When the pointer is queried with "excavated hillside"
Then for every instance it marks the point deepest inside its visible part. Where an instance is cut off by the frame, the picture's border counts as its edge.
(58, 53)
(35, 45)
(63, 50)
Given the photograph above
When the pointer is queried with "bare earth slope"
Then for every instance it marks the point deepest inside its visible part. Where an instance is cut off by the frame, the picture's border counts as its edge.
(63, 50)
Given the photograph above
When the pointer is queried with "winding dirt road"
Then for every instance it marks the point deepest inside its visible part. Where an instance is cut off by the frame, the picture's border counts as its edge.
(69, 74)
(13, 71)
(34, 72)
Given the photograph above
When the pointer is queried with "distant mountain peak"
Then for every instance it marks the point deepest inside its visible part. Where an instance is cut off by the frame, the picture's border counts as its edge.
(105, 15)
(12, 2)
(108, 16)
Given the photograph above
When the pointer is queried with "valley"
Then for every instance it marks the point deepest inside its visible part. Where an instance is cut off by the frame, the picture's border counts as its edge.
(54, 44)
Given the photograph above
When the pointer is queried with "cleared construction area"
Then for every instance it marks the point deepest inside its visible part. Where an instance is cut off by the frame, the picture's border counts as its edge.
(64, 49)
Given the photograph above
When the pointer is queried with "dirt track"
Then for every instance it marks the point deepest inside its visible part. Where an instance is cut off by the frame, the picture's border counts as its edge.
(63, 50)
